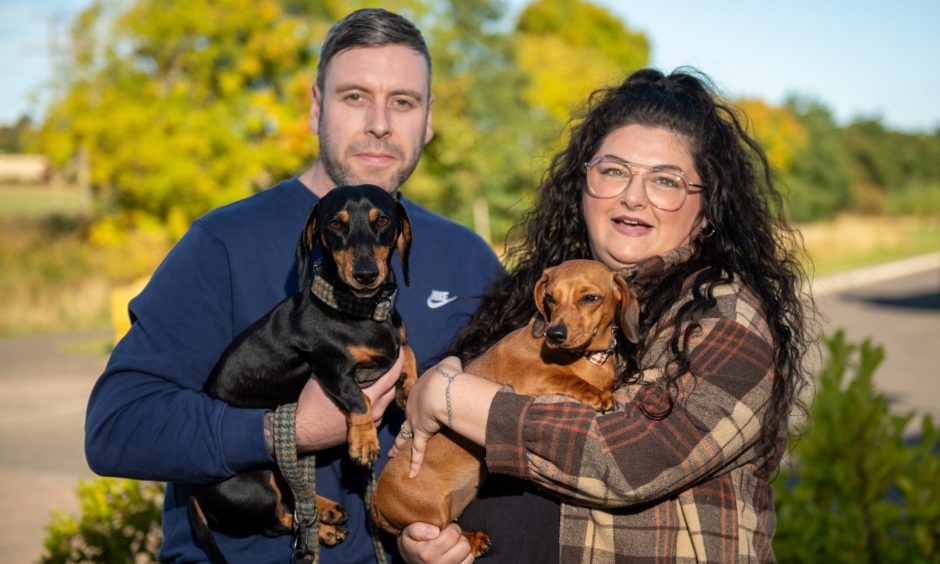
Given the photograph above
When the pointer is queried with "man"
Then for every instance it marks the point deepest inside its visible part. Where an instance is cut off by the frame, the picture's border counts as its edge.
(147, 416)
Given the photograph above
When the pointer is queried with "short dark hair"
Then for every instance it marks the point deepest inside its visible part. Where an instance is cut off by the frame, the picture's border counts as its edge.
(370, 27)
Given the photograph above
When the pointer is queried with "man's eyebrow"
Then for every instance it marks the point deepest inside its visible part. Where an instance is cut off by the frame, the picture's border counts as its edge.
(410, 92)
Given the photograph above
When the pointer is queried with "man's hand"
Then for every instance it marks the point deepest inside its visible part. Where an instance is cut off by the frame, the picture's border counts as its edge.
(420, 543)
(322, 424)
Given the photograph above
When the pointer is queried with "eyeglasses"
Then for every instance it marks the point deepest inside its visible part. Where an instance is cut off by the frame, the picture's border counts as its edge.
(665, 187)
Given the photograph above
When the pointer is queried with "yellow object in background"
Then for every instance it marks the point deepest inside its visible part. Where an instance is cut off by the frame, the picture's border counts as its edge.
(120, 297)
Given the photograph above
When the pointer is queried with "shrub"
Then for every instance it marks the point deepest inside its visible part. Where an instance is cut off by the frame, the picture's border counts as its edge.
(120, 523)
(855, 489)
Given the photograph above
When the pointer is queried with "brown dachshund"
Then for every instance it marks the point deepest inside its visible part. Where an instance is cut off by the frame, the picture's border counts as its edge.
(563, 350)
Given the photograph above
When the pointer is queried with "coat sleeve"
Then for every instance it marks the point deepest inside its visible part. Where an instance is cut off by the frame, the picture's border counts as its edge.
(147, 417)
(625, 458)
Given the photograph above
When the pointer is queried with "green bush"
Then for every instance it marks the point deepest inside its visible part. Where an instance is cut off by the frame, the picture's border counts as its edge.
(120, 523)
(855, 489)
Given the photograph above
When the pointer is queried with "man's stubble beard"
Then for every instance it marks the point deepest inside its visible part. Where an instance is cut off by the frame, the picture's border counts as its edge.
(342, 174)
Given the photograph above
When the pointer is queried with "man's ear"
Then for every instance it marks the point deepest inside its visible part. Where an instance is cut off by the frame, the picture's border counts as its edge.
(429, 127)
(315, 106)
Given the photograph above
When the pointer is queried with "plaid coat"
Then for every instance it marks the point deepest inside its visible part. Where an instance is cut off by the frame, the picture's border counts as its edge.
(685, 488)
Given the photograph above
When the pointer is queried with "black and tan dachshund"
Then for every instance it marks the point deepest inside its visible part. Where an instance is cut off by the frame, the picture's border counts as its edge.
(341, 328)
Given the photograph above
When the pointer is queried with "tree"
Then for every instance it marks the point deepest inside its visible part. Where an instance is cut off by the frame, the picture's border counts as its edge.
(568, 48)
(181, 106)
(480, 165)
(818, 182)
(19, 137)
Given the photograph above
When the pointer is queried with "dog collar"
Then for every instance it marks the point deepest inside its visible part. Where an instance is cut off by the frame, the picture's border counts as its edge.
(377, 307)
(598, 358)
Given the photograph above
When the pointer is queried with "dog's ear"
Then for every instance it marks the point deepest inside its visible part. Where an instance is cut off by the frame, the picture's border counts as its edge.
(308, 238)
(629, 311)
(541, 318)
(404, 239)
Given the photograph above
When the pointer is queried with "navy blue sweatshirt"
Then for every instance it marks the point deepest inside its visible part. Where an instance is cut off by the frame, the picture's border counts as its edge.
(147, 417)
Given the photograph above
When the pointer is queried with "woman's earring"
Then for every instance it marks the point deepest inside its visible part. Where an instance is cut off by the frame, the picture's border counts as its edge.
(707, 232)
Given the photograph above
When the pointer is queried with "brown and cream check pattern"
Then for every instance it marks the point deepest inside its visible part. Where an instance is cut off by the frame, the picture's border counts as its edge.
(686, 488)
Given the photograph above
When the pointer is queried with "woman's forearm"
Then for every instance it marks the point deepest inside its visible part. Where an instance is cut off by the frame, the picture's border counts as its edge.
(464, 401)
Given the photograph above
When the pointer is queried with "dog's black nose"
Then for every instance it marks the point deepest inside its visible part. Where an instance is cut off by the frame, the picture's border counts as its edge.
(556, 334)
(366, 276)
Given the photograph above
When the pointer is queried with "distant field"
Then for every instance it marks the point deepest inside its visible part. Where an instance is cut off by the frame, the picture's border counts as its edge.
(854, 241)
(38, 200)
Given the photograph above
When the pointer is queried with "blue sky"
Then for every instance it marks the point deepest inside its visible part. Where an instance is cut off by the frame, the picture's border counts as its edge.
(859, 58)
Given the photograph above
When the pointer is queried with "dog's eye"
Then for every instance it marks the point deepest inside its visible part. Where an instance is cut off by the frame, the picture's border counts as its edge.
(590, 299)
(382, 221)
(335, 224)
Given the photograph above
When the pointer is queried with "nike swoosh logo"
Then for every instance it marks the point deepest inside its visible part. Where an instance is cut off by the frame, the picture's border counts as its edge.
(435, 302)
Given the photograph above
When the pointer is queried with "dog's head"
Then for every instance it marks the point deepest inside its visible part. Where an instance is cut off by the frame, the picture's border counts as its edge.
(358, 227)
(578, 302)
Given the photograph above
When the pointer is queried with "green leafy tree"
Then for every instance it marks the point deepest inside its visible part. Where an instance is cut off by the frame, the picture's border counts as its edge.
(481, 164)
(855, 489)
(819, 178)
(892, 171)
(19, 137)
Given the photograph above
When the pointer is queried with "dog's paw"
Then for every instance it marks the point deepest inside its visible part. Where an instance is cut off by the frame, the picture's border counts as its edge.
(480, 544)
(364, 454)
(603, 402)
(363, 444)
(403, 386)
(332, 535)
(331, 513)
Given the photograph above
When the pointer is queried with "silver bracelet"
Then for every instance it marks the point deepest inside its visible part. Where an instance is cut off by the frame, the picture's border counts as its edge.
(450, 380)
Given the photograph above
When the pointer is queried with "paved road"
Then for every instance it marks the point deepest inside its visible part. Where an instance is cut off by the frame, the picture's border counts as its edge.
(46, 383)
(903, 316)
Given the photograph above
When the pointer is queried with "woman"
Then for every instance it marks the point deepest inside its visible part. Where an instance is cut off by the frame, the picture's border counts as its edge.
(661, 182)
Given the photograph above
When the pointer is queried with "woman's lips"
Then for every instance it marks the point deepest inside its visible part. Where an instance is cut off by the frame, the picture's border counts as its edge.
(631, 226)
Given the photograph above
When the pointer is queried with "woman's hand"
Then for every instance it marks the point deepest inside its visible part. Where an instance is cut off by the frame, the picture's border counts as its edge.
(444, 396)
(420, 543)
(426, 410)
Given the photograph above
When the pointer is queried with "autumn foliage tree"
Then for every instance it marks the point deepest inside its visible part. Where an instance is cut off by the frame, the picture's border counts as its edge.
(179, 107)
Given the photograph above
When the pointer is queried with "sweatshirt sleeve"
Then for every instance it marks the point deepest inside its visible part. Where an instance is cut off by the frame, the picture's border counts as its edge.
(624, 458)
(147, 417)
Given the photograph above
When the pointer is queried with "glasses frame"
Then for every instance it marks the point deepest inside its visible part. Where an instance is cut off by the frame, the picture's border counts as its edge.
(629, 166)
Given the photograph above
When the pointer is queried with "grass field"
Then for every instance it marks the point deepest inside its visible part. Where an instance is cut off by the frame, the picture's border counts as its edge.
(39, 200)
(852, 241)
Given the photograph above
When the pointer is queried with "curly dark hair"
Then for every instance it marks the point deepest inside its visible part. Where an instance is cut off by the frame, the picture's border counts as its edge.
(752, 239)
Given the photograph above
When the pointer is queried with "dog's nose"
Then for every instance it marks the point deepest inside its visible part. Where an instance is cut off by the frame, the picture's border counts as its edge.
(366, 276)
(556, 334)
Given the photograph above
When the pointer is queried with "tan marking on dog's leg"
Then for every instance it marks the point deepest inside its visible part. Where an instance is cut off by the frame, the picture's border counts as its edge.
(363, 355)
(283, 516)
(362, 436)
(409, 375)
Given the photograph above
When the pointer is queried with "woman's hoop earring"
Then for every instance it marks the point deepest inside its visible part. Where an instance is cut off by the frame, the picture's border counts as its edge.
(707, 232)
